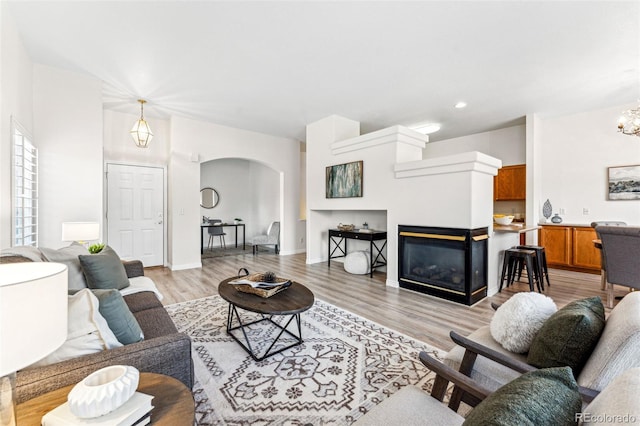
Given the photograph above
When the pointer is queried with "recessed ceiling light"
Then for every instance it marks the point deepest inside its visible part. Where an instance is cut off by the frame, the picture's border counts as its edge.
(426, 128)
(460, 105)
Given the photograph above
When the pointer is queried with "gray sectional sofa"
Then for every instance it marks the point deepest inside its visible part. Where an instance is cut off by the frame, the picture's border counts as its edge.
(163, 350)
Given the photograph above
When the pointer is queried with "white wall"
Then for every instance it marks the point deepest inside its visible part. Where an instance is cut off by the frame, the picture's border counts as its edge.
(211, 141)
(575, 153)
(506, 144)
(67, 112)
(16, 100)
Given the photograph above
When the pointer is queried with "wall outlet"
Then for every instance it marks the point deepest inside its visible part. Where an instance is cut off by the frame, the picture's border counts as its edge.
(585, 211)
(562, 211)
(301, 240)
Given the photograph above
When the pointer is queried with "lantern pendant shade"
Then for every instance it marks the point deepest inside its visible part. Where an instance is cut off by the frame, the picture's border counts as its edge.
(141, 132)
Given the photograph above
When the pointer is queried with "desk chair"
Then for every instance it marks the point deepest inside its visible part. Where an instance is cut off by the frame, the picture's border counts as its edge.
(216, 231)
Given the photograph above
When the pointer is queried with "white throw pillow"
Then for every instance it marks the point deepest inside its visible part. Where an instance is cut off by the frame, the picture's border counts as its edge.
(516, 322)
(87, 330)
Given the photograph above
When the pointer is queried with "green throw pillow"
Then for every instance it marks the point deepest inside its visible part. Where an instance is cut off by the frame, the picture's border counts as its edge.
(568, 337)
(104, 270)
(542, 397)
(121, 321)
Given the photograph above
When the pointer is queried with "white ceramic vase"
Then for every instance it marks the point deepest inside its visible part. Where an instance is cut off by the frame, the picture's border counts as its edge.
(103, 391)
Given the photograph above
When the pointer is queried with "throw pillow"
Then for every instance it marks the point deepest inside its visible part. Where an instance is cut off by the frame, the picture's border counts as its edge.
(569, 336)
(69, 256)
(516, 322)
(542, 397)
(104, 270)
(87, 330)
(117, 314)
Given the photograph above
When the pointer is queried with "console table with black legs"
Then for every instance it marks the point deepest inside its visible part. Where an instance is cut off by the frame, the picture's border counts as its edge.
(339, 239)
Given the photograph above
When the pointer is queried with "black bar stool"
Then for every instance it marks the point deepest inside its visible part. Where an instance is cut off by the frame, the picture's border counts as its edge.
(513, 257)
(541, 256)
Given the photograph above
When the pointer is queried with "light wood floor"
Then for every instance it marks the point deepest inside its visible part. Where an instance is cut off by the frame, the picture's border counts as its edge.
(420, 316)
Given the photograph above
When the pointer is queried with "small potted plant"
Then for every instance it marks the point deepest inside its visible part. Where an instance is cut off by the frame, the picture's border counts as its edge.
(96, 248)
(237, 220)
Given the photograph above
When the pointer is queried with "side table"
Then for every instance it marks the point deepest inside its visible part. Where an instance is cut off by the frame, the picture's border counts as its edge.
(173, 402)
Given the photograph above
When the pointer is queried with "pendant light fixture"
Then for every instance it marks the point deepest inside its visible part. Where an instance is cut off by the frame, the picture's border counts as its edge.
(141, 132)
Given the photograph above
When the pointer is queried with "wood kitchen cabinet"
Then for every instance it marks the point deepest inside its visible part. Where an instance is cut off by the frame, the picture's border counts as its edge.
(570, 247)
(510, 183)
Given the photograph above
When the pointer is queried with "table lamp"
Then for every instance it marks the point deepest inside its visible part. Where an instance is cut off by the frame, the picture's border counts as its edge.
(33, 321)
(80, 231)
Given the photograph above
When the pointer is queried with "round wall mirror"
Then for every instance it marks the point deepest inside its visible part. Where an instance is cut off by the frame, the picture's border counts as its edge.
(208, 198)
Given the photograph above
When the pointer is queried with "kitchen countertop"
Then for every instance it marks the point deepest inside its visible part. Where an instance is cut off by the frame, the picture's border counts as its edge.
(517, 228)
(583, 225)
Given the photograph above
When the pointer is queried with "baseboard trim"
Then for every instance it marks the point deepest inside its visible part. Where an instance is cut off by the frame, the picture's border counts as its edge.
(185, 266)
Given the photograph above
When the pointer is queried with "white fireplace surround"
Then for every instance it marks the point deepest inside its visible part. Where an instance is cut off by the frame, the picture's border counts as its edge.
(454, 191)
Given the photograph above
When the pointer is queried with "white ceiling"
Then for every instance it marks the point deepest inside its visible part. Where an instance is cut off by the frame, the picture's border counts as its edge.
(274, 67)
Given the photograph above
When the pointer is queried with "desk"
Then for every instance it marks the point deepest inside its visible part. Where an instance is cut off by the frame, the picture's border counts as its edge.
(339, 237)
(172, 400)
(235, 225)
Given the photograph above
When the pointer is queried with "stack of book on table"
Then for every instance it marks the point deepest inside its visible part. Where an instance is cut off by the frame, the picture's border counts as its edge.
(136, 411)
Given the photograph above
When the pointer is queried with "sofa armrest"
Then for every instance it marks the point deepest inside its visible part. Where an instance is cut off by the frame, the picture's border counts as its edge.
(169, 355)
(133, 268)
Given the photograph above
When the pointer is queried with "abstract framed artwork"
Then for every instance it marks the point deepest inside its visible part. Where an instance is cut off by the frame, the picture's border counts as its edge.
(624, 183)
(344, 180)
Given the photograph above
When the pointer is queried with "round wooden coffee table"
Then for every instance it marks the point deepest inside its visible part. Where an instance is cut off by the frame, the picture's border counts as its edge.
(289, 303)
(172, 400)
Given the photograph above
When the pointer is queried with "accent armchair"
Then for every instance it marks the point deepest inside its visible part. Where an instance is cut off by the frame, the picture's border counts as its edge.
(618, 349)
(620, 250)
(271, 239)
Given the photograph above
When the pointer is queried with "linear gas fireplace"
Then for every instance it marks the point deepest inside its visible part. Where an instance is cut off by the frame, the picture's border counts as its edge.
(450, 263)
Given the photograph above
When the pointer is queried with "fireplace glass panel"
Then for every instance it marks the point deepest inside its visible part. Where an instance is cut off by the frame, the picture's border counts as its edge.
(438, 262)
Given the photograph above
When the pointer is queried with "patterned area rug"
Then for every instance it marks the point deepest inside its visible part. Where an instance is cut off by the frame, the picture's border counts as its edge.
(345, 366)
(231, 250)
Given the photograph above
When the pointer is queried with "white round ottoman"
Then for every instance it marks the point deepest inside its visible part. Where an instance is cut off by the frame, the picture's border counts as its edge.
(358, 262)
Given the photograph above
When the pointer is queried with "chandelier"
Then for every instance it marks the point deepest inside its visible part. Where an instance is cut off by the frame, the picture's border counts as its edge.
(141, 132)
(629, 122)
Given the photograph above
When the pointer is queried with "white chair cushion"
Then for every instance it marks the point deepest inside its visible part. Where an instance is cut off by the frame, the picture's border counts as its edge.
(618, 398)
(410, 406)
(487, 373)
(619, 346)
(358, 262)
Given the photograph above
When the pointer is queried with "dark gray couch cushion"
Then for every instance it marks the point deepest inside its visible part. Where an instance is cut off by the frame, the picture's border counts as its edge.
(104, 270)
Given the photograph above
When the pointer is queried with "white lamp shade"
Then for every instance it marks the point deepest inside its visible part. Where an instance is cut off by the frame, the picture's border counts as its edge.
(80, 231)
(33, 312)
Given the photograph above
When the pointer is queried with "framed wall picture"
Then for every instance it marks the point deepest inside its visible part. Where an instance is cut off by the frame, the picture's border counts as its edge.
(624, 183)
(344, 180)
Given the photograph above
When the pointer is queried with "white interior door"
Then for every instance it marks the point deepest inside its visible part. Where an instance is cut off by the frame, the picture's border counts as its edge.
(135, 218)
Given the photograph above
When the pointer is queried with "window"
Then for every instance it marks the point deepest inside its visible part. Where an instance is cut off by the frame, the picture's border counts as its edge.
(25, 189)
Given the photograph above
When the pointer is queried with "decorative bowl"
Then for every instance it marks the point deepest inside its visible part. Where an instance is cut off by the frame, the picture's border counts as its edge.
(342, 227)
(103, 391)
(503, 220)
